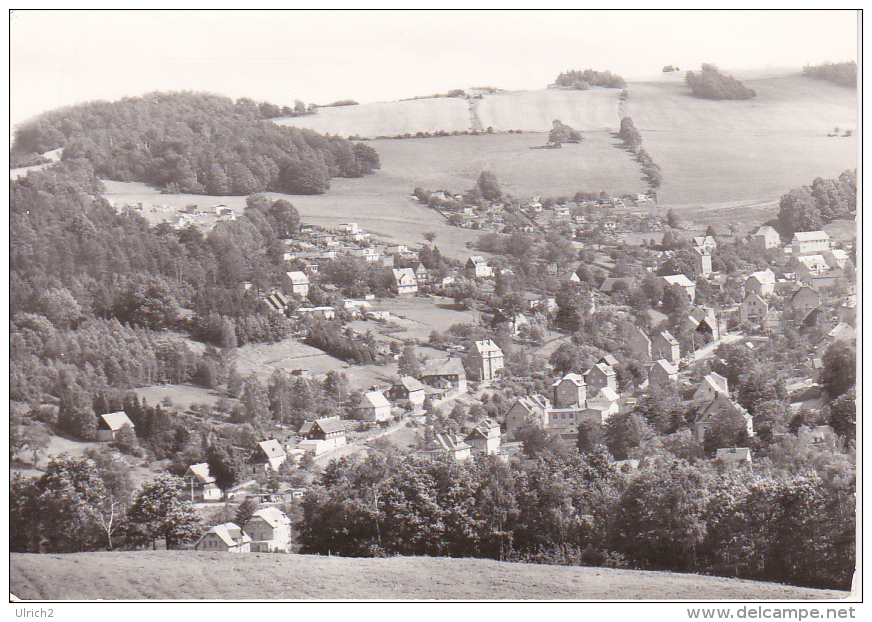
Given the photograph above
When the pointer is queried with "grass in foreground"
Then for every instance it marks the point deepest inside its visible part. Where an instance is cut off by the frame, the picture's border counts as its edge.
(175, 575)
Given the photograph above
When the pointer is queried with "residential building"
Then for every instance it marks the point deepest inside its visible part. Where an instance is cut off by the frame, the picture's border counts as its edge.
(296, 283)
(836, 258)
(766, 237)
(374, 406)
(404, 281)
(269, 529)
(701, 320)
(720, 405)
(602, 406)
(276, 302)
(682, 281)
(804, 298)
(200, 483)
(761, 283)
(753, 309)
(422, 274)
(269, 455)
(570, 390)
(705, 243)
(810, 265)
(808, 242)
(444, 373)
(227, 538)
(625, 283)
(564, 421)
(322, 435)
(599, 376)
(702, 260)
(528, 411)
(486, 359)
(476, 267)
(408, 388)
(843, 332)
(450, 445)
(662, 373)
(485, 438)
(109, 425)
(710, 386)
(639, 343)
(665, 346)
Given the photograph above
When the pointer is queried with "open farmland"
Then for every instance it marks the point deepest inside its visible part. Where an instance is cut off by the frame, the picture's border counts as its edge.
(177, 575)
(387, 118)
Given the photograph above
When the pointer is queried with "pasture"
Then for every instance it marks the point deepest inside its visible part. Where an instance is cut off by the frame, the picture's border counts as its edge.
(176, 575)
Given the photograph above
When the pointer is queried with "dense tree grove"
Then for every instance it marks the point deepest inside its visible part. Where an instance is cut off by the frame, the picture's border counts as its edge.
(585, 79)
(196, 143)
(632, 140)
(844, 74)
(565, 507)
(710, 83)
(808, 207)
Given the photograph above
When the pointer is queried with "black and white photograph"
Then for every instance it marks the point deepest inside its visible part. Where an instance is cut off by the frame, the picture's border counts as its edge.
(435, 306)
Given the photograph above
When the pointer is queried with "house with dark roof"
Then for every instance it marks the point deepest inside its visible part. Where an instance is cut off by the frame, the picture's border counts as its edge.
(665, 346)
(444, 373)
(407, 388)
(269, 455)
(322, 435)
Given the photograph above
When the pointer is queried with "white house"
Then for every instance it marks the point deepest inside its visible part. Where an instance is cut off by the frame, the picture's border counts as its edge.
(683, 282)
(736, 455)
(761, 283)
(322, 435)
(111, 424)
(807, 242)
(447, 444)
(269, 529)
(404, 281)
(270, 454)
(227, 538)
(374, 407)
(665, 346)
(200, 483)
(485, 437)
(486, 358)
(766, 237)
(296, 283)
(477, 267)
(753, 308)
(710, 386)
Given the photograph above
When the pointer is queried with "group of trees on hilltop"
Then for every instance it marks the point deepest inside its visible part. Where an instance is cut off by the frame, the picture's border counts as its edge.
(808, 207)
(844, 74)
(583, 80)
(710, 83)
(196, 143)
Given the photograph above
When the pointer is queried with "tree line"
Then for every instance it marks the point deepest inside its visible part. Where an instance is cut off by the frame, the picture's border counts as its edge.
(843, 74)
(809, 207)
(196, 143)
(789, 523)
(632, 139)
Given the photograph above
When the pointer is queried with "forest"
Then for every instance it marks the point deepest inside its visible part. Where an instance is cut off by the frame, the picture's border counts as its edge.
(791, 520)
(844, 74)
(195, 143)
(808, 207)
(583, 80)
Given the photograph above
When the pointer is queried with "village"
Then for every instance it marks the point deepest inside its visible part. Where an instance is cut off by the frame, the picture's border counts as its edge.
(504, 375)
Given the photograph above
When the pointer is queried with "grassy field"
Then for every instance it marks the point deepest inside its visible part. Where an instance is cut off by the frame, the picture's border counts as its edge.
(175, 575)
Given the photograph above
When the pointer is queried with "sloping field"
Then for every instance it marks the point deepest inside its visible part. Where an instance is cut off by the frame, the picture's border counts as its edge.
(387, 118)
(177, 575)
(534, 111)
(749, 151)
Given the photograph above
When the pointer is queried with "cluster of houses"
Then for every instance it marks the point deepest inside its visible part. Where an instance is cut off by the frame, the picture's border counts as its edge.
(267, 531)
(193, 214)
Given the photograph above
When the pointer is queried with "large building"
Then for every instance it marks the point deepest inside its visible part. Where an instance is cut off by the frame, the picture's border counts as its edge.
(486, 359)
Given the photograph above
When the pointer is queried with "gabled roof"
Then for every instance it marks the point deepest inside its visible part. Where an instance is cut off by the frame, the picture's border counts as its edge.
(752, 296)
(277, 301)
(272, 448)
(805, 289)
(762, 276)
(843, 332)
(486, 428)
(606, 370)
(532, 403)
(374, 399)
(274, 516)
(201, 473)
(719, 404)
(116, 421)
(404, 276)
(668, 337)
(446, 442)
(678, 279)
(326, 424)
(443, 367)
(475, 259)
(610, 360)
(666, 366)
(606, 394)
(487, 346)
(576, 379)
(230, 533)
(411, 384)
(810, 236)
(765, 230)
(717, 382)
(297, 277)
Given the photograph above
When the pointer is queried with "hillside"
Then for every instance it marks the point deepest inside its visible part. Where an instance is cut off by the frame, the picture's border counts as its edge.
(188, 575)
(773, 143)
